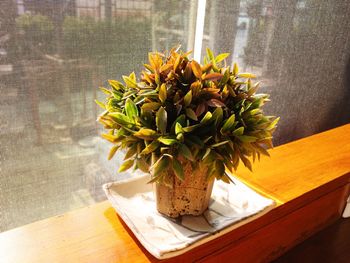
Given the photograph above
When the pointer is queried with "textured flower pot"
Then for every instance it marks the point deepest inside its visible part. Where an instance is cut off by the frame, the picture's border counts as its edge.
(188, 197)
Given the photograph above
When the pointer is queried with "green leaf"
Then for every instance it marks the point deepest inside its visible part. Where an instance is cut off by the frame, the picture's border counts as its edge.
(221, 57)
(150, 148)
(131, 109)
(194, 140)
(105, 91)
(180, 137)
(110, 137)
(210, 54)
(217, 116)
(146, 134)
(116, 85)
(219, 144)
(190, 128)
(151, 106)
(126, 165)
(162, 93)
(120, 118)
(167, 141)
(132, 76)
(225, 78)
(99, 103)
(161, 165)
(131, 151)
(229, 123)
(207, 151)
(186, 152)
(246, 75)
(178, 128)
(188, 98)
(273, 124)
(191, 114)
(246, 138)
(130, 83)
(206, 118)
(177, 167)
(142, 165)
(113, 151)
(196, 69)
(161, 120)
(235, 69)
(238, 132)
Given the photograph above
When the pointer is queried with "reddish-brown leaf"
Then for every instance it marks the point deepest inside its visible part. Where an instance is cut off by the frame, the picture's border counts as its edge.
(215, 103)
(200, 109)
(196, 69)
(213, 76)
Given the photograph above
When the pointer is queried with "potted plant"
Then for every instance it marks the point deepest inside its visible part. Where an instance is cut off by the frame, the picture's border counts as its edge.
(186, 124)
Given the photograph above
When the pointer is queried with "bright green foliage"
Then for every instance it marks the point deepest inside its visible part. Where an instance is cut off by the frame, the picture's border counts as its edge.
(181, 110)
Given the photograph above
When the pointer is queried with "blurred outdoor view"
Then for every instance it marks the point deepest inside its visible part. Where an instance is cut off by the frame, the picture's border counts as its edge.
(54, 54)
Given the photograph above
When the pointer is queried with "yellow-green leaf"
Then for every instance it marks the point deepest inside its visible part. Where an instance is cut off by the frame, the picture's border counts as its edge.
(109, 137)
(161, 165)
(105, 91)
(131, 109)
(161, 120)
(177, 167)
(126, 165)
(142, 165)
(191, 114)
(238, 132)
(162, 93)
(246, 138)
(229, 124)
(115, 84)
(150, 147)
(221, 57)
(235, 69)
(99, 103)
(188, 98)
(145, 134)
(206, 118)
(210, 54)
(186, 152)
(178, 128)
(113, 151)
(246, 75)
(130, 83)
(273, 124)
(167, 141)
(151, 106)
(131, 151)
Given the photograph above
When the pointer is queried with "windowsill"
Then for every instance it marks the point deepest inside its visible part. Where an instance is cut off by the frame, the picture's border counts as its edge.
(308, 178)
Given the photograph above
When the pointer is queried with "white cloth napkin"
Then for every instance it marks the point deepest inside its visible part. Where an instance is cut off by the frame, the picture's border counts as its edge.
(231, 206)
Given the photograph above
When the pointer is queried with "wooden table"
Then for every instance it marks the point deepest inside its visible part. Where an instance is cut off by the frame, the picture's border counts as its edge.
(308, 178)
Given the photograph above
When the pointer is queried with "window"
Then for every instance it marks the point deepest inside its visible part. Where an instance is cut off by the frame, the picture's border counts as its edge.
(54, 55)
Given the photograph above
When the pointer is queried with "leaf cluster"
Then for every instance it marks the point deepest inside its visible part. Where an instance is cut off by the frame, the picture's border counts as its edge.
(182, 111)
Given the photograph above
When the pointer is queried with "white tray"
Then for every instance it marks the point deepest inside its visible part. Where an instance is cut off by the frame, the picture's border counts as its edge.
(230, 207)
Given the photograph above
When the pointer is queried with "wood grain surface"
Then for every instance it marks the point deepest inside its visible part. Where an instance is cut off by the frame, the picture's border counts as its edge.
(309, 179)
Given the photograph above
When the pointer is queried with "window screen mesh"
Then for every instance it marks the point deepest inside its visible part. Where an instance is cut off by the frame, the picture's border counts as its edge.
(55, 53)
